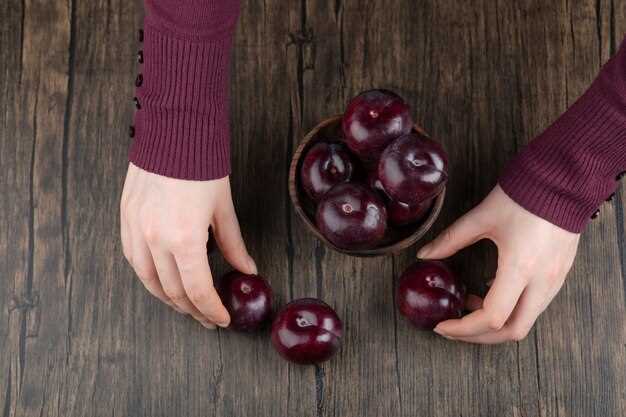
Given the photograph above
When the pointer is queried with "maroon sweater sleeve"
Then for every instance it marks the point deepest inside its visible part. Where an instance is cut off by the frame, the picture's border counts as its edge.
(182, 118)
(573, 166)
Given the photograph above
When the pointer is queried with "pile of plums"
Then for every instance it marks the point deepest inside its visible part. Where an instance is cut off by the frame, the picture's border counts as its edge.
(305, 331)
(308, 331)
(382, 173)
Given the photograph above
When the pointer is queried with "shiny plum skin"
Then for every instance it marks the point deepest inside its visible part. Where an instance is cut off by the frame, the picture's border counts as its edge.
(401, 214)
(374, 183)
(307, 331)
(325, 165)
(428, 293)
(352, 216)
(398, 213)
(413, 168)
(372, 120)
(248, 299)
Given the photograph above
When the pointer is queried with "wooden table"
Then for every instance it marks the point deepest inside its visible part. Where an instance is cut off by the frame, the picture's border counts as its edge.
(79, 336)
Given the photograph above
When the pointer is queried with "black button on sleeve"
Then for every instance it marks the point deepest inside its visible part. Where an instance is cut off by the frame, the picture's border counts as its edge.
(139, 80)
(140, 57)
(137, 105)
(140, 36)
(595, 214)
(131, 131)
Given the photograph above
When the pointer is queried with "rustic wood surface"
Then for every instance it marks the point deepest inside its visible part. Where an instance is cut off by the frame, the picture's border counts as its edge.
(80, 337)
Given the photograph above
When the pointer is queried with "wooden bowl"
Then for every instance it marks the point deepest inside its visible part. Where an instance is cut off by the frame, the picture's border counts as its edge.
(397, 238)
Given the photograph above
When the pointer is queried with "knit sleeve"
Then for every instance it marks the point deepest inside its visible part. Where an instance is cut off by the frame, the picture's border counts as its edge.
(182, 89)
(573, 166)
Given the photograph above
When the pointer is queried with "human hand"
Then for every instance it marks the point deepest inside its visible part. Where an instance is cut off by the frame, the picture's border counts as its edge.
(164, 229)
(534, 257)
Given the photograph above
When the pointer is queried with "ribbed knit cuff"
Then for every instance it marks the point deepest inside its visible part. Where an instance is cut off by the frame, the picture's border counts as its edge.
(570, 169)
(182, 119)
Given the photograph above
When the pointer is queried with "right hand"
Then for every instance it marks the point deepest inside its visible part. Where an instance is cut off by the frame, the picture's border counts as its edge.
(534, 257)
(164, 228)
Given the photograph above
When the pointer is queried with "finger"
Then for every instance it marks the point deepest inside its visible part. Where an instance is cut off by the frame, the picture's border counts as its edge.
(125, 229)
(466, 230)
(229, 240)
(146, 271)
(126, 237)
(490, 338)
(197, 281)
(496, 309)
(531, 304)
(173, 286)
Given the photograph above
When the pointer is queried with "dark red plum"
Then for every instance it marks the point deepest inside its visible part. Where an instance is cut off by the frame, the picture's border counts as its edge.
(413, 168)
(352, 216)
(248, 299)
(428, 293)
(307, 331)
(372, 120)
(398, 213)
(401, 214)
(325, 165)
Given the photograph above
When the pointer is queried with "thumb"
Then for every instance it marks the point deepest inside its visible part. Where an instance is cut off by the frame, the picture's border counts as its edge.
(229, 240)
(466, 230)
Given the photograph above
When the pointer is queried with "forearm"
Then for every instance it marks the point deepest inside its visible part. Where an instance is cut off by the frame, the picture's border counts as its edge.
(182, 120)
(573, 166)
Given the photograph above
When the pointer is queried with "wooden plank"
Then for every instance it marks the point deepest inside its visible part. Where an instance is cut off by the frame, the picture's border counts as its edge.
(34, 102)
(16, 142)
(107, 310)
(336, 64)
(253, 380)
(464, 99)
(581, 348)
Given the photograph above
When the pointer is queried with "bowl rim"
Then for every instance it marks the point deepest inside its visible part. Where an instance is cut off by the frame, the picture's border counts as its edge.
(393, 248)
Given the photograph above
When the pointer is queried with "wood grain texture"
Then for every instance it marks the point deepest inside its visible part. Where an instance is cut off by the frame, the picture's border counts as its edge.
(80, 337)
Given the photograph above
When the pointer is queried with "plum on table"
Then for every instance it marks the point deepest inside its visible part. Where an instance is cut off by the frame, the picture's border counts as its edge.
(307, 331)
(428, 292)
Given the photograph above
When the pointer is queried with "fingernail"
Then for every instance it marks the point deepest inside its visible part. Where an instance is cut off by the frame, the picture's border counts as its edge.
(423, 252)
(223, 324)
(178, 310)
(440, 333)
(208, 325)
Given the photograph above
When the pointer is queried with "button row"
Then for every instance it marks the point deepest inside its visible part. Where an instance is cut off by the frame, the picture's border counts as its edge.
(138, 82)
